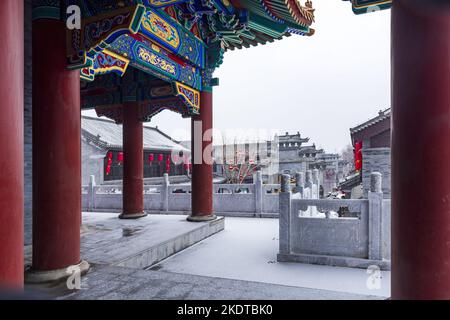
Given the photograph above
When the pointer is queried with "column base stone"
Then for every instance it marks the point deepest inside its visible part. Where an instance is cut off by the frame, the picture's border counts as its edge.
(33, 276)
(192, 218)
(130, 216)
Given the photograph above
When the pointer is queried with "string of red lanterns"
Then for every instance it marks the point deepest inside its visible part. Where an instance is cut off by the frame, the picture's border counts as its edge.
(358, 155)
(109, 162)
(168, 164)
(151, 158)
(120, 158)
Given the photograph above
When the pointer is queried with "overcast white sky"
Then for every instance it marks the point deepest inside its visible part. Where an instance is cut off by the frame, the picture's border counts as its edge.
(320, 85)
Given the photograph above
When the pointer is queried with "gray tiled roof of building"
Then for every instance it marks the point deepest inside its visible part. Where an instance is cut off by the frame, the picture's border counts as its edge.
(382, 114)
(107, 134)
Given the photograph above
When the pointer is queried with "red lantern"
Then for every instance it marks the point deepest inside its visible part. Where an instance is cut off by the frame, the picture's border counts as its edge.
(358, 155)
(160, 157)
(109, 162)
(151, 157)
(120, 157)
(110, 155)
(108, 170)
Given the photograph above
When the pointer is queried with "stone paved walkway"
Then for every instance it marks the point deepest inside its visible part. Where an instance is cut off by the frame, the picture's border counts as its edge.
(238, 263)
(111, 283)
(247, 250)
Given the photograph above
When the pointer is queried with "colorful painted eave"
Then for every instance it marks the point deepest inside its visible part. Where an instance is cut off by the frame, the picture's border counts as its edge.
(265, 21)
(282, 11)
(177, 41)
(289, 13)
(250, 23)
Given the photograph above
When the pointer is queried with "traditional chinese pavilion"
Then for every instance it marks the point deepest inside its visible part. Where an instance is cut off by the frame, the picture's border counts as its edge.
(138, 57)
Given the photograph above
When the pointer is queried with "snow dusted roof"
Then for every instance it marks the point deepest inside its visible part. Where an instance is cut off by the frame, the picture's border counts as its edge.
(381, 116)
(108, 135)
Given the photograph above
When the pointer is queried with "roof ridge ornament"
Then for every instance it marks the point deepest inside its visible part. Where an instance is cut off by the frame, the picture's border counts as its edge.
(302, 15)
(309, 6)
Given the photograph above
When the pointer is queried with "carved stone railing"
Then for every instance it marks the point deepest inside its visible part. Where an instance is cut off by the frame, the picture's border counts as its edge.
(255, 199)
(352, 233)
(108, 189)
(244, 199)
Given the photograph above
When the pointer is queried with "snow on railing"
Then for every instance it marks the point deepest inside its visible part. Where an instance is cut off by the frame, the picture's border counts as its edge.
(254, 199)
(350, 232)
(248, 199)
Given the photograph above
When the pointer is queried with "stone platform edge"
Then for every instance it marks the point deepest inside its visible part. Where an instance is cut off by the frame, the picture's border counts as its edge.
(161, 251)
(274, 215)
(335, 261)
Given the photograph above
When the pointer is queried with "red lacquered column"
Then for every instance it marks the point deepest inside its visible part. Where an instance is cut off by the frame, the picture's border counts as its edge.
(56, 155)
(133, 166)
(420, 149)
(202, 168)
(11, 140)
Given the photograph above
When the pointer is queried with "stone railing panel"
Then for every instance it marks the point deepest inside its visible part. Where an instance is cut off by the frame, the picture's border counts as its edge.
(108, 189)
(357, 234)
(257, 198)
(323, 236)
(236, 202)
(152, 189)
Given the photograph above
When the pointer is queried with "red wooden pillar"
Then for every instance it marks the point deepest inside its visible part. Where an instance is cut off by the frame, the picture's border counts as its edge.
(420, 149)
(56, 154)
(133, 166)
(202, 165)
(11, 140)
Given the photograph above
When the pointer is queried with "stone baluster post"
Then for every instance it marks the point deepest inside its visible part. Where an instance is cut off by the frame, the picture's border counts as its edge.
(308, 181)
(258, 193)
(91, 193)
(285, 214)
(316, 184)
(375, 217)
(299, 182)
(165, 193)
(375, 182)
(308, 190)
(314, 191)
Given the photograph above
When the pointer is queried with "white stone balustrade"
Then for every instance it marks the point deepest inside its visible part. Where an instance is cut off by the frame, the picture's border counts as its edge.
(357, 236)
(257, 199)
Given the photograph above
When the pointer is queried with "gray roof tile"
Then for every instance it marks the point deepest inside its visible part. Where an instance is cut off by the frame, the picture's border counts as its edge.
(107, 134)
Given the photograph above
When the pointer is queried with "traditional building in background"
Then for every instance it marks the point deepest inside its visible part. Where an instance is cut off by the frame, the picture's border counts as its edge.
(293, 155)
(103, 157)
(328, 164)
(372, 143)
(281, 154)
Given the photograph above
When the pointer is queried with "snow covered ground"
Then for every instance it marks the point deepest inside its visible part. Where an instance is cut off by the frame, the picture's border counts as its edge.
(247, 250)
